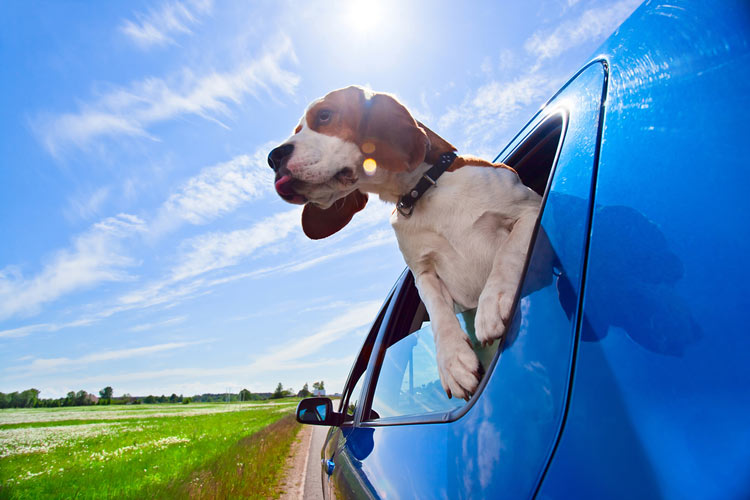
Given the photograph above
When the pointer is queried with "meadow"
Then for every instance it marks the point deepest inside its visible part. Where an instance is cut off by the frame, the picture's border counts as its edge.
(146, 451)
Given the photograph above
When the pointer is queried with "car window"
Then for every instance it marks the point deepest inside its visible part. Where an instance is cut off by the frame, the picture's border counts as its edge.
(353, 388)
(409, 383)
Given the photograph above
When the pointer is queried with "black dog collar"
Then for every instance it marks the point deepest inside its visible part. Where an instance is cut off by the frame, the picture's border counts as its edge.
(405, 205)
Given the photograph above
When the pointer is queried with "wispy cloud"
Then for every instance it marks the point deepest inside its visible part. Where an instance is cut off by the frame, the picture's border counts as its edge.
(132, 111)
(191, 277)
(218, 250)
(355, 316)
(195, 380)
(56, 364)
(288, 357)
(158, 324)
(23, 331)
(88, 205)
(208, 252)
(485, 112)
(158, 27)
(591, 24)
(95, 256)
(218, 189)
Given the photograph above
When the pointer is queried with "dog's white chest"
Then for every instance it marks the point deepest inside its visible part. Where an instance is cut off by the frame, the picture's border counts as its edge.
(457, 227)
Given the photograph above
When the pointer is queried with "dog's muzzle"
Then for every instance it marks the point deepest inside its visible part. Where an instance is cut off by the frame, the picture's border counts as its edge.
(277, 160)
(278, 156)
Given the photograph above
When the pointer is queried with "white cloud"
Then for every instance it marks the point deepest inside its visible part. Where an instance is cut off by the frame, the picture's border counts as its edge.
(593, 23)
(205, 253)
(290, 359)
(95, 256)
(88, 205)
(194, 380)
(502, 99)
(23, 331)
(486, 112)
(353, 317)
(131, 111)
(55, 364)
(158, 26)
(218, 250)
(158, 324)
(219, 189)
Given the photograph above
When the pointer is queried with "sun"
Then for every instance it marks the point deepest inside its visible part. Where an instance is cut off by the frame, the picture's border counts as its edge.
(362, 15)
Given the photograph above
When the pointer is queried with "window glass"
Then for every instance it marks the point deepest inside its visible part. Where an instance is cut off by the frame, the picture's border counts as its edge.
(409, 383)
(353, 386)
(354, 399)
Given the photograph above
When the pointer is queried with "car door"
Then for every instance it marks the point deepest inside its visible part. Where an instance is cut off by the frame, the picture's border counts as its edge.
(350, 401)
(407, 439)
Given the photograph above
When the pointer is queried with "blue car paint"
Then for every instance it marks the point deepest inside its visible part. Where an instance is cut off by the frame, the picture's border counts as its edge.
(657, 346)
(503, 441)
(660, 406)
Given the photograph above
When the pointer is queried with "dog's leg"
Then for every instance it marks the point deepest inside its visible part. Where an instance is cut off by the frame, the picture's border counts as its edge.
(496, 300)
(458, 366)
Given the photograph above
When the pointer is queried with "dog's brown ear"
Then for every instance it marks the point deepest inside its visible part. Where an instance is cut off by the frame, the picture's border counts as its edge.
(391, 136)
(319, 223)
(438, 145)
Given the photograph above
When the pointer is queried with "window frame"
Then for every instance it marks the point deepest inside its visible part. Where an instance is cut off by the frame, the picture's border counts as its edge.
(363, 357)
(547, 123)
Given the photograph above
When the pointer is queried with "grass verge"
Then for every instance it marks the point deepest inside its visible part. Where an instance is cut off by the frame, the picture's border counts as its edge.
(207, 452)
(252, 468)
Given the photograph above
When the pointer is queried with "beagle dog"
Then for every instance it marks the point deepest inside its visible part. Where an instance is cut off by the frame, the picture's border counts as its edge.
(464, 234)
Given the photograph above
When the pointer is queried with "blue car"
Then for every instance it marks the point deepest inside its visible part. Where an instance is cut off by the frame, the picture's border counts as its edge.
(626, 371)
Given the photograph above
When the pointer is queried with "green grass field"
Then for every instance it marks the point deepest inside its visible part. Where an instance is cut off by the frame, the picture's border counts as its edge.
(146, 451)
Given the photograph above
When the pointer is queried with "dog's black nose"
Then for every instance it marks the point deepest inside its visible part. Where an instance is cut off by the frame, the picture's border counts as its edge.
(277, 155)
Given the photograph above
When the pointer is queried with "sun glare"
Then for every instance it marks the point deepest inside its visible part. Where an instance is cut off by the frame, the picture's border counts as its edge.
(362, 15)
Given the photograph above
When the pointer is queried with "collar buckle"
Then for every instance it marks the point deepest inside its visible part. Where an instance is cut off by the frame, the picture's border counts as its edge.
(405, 205)
(404, 209)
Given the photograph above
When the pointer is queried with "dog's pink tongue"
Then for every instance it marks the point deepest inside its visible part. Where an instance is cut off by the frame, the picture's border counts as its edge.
(284, 188)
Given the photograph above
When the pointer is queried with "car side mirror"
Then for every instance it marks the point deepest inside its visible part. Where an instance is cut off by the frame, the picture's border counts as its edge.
(318, 411)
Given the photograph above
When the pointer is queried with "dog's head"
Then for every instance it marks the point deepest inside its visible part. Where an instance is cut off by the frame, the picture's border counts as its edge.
(321, 164)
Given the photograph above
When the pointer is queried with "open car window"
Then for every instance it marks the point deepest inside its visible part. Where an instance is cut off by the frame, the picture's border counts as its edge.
(407, 385)
(350, 399)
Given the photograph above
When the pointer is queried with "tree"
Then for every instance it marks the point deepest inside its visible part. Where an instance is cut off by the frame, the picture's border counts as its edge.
(245, 395)
(106, 395)
(82, 398)
(304, 392)
(279, 392)
(29, 398)
(173, 398)
(319, 386)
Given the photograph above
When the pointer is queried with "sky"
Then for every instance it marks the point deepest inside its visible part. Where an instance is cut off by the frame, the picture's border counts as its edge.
(143, 246)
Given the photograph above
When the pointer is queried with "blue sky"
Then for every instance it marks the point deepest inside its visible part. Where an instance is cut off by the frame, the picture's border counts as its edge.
(143, 245)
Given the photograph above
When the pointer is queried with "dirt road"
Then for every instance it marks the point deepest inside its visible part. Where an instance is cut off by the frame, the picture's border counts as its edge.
(302, 479)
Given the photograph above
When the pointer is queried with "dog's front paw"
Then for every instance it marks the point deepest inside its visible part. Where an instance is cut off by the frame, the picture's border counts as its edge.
(493, 314)
(458, 367)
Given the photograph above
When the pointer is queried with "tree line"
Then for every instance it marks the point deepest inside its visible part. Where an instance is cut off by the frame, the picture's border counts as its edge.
(30, 397)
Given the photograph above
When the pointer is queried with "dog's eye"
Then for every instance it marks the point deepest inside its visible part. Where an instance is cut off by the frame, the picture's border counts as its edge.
(324, 116)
